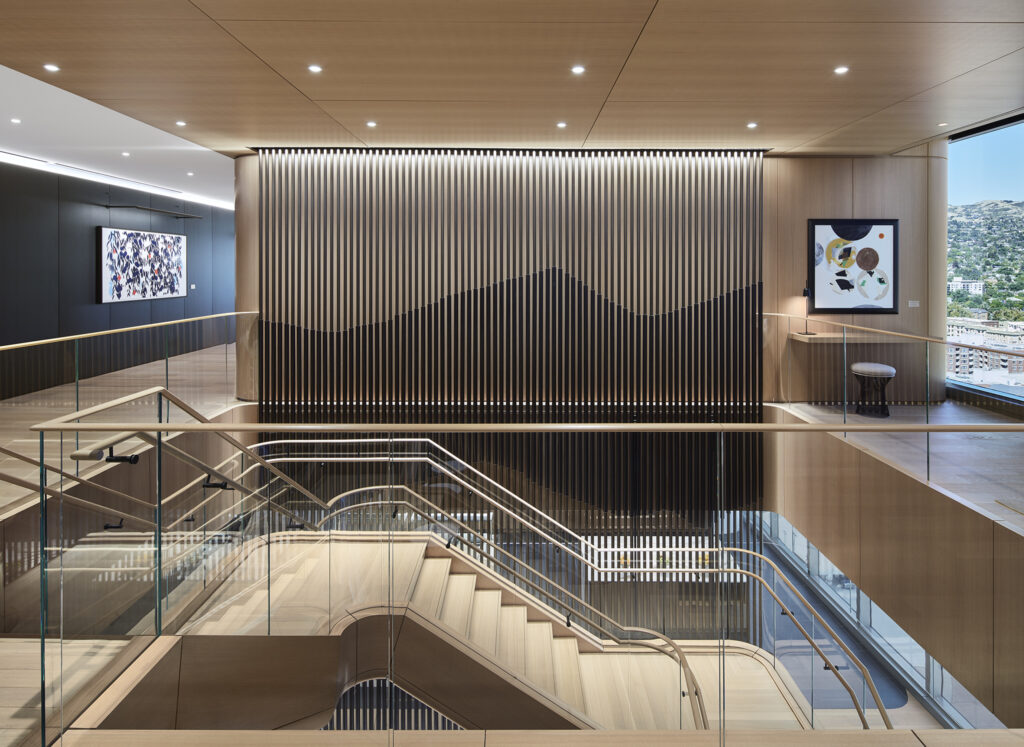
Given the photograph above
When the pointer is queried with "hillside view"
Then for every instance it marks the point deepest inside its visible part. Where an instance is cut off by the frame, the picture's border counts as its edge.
(986, 242)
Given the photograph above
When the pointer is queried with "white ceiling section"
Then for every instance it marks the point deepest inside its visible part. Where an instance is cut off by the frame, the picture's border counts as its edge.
(497, 73)
(64, 133)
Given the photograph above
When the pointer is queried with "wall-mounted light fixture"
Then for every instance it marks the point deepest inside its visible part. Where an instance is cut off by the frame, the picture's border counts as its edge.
(807, 310)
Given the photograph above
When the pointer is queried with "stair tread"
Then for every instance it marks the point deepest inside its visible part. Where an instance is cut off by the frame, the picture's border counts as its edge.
(430, 586)
(483, 623)
(539, 666)
(565, 654)
(458, 601)
(512, 638)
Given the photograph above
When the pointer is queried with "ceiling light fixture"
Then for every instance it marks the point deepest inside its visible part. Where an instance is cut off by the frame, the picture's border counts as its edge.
(943, 124)
(561, 125)
(181, 123)
(191, 173)
(841, 70)
(125, 153)
(751, 125)
(578, 69)
(371, 123)
(315, 69)
(15, 120)
(51, 67)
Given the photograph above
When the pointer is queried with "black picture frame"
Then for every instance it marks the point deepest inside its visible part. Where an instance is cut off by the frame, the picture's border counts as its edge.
(821, 295)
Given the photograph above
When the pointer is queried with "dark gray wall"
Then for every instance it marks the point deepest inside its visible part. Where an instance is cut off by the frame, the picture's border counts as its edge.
(49, 278)
(49, 258)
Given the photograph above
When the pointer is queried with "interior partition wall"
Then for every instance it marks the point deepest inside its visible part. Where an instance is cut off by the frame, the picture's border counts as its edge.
(440, 286)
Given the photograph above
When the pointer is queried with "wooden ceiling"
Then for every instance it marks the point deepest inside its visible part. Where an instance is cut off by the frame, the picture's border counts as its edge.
(496, 73)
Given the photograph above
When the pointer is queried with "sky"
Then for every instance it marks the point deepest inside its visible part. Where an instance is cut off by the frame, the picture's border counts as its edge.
(988, 167)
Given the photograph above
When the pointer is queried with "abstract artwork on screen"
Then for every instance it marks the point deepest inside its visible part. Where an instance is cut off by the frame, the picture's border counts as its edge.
(852, 265)
(140, 265)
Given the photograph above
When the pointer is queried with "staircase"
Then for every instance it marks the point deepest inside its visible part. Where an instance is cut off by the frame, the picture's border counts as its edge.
(487, 634)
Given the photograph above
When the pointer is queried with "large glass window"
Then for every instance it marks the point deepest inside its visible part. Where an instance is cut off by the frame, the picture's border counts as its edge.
(985, 270)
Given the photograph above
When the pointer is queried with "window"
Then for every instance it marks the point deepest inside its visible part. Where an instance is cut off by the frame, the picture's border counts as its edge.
(985, 262)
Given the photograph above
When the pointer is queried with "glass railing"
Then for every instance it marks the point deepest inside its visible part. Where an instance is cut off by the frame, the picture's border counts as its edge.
(292, 537)
(47, 378)
(822, 371)
(311, 534)
(855, 609)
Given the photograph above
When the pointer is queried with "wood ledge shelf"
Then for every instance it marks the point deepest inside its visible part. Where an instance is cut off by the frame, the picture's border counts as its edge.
(857, 338)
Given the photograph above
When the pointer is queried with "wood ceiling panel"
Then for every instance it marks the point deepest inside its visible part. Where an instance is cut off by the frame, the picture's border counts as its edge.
(716, 125)
(978, 96)
(443, 61)
(845, 11)
(794, 61)
(233, 126)
(468, 124)
(485, 11)
(112, 10)
(186, 60)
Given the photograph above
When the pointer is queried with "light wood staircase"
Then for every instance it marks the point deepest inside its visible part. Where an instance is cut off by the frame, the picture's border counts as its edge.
(446, 600)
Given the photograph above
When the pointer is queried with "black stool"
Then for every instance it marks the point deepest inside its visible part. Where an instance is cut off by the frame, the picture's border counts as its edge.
(873, 378)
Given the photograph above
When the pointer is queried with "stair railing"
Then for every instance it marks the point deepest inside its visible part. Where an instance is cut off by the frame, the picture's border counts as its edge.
(64, 423)
(498, 505)
(697, 701)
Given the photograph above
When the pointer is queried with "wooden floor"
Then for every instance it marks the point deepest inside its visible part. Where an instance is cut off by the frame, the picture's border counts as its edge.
(983, 469)
(70, 666)
(205, 379)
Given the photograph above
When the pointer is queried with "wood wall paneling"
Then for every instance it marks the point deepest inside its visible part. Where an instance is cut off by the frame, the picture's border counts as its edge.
(947, 574)
(1008, 633)
(797, 189)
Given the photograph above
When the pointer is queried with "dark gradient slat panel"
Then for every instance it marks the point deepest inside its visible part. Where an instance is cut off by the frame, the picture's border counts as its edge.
(422, 285)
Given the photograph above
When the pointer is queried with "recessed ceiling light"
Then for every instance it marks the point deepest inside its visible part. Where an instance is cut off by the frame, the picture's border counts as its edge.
(15, 120)
(841, 70)
(181, 123)
(191, 173)
(315, 69)
(51, 67)
(125, 153)
(578, 69)
(751, 125)
(371, 123)
(562, 125)
(943, 124)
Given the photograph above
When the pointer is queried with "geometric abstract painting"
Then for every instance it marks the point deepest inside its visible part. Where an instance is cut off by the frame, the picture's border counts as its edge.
(852, 265)
(140, 265)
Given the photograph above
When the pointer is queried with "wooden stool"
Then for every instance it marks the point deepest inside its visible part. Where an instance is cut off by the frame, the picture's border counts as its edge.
(873, 378)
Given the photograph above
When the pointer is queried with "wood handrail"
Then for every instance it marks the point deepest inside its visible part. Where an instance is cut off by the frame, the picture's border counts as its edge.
(886, 332)
(102, 333)
(60, 424)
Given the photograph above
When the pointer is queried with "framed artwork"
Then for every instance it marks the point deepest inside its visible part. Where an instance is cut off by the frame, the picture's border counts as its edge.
(852, 266)
(141, 265)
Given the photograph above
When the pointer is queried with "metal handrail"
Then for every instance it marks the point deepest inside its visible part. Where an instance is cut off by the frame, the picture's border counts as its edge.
(431, 443)
(103, 333)
(74, 500)
(684, 571)
(906, 335)
(699, 712)
(142, 429)
(75, 478)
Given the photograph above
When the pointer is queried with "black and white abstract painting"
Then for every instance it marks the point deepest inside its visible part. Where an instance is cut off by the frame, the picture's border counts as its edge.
(852, 265)
(141, 265)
